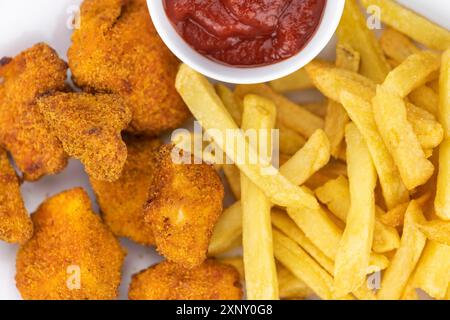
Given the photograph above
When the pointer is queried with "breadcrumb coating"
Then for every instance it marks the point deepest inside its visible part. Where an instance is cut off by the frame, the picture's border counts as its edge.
(23, 131)
(117, 49)
(185, 202)
(168, 281)
(15, 224)
(69, 237)
(89, 127)
(122, 202)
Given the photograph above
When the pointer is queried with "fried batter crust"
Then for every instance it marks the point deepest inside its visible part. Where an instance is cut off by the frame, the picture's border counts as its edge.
(118, 50)
(168, 281)
(23, 131)
(122, 202)
(89, 127)
(185, 201)
(15, 224)
(68, 235)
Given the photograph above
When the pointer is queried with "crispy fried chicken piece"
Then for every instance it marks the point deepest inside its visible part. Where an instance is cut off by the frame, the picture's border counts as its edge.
(185, 201)
(118, 50)
(89, 127)
(23, 131)
(72, 254)
(122, 202)
(15, 224)
(169, 281)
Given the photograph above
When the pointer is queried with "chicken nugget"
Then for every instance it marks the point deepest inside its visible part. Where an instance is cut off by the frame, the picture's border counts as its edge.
(15, 224)
(117, 49)
(23, 131)
(72, 254)
(122, 202)
(185, 202)
(168, 281)
(89, 127)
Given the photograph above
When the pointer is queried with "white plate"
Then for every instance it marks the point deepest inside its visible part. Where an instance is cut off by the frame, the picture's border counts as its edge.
(25, 22)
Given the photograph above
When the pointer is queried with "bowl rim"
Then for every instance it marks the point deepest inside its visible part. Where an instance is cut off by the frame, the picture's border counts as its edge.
(247, 75)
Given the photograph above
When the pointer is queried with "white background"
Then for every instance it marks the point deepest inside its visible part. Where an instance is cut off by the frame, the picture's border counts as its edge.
(25, 22)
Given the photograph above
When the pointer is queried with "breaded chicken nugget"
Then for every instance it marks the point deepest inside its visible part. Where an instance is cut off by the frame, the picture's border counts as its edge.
(23, 131)
(117, 49)
(89, 127)
(72, 254)
(185, 201)
(15, 224)
(168, 281)
(122, 202)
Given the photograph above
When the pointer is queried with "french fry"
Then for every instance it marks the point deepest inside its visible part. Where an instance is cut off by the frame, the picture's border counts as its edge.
(290, 114)
(282, 222)
(336, 195)
(352, 257)
(319, 109)
(425, 98)
(402, 265)
(436, 230)
(412, 73)
(429, 132)
(396, 45)
(360, 111)
(260, 272)
(395, 217)
(297, 261)
(337, 117)
(227, 229)
(433, 270)
(233, 176)
(442, 200)
(290, 286)
(314, 155)
(230, 102)
(298, 80)
(353, 31)
(411, 24)
(290, 141)
(398, 135)
(208, 109)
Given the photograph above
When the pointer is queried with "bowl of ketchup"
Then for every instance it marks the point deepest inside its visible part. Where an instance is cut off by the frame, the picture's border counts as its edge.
(246, 41)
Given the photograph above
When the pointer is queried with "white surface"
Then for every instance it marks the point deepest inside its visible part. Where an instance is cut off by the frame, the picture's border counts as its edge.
(217, 71)
(25, 22)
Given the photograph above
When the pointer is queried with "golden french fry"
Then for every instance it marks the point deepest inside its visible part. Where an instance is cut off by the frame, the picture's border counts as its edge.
(353, 31)
(433, 270)
(352, 257)
(297, 261)
(425, 98)
(337, 118)
(227, 229)
(412, 73)
(290, 140)
(336, 195)
(436, 230)
(230, 102)
(402, 265)
(314, 155)
(429, 132)
(396, 45)
(290, 114)
(208, 109)
(290, 286)
(395, 217)
(411, 24)
(298, 80)
(360, 111)
(397, 132)
(233, 176)
(260, 272)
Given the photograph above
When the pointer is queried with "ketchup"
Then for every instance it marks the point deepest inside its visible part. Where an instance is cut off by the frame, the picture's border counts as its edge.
(246, 32)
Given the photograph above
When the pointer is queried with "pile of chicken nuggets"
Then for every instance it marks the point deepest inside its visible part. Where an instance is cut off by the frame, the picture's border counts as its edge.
(122, 99)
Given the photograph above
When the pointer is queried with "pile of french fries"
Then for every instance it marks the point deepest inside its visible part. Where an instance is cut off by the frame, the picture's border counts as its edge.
(364, 183)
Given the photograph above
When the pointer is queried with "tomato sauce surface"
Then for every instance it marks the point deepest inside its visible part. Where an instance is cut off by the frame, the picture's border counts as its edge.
(246, 32)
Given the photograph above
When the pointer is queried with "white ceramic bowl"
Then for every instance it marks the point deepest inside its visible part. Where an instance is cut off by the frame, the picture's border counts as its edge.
(246, 75)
